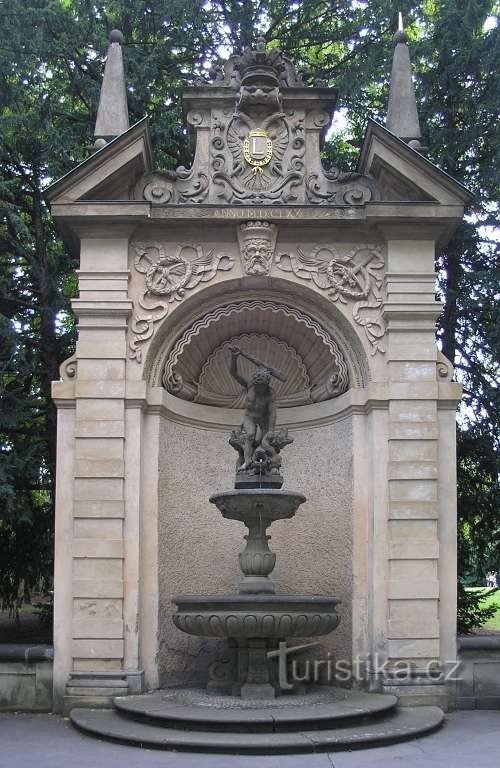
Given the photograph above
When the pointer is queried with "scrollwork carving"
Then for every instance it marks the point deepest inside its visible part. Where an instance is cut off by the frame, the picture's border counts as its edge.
(157, 188)
(335, 187)
(356, 277)
(167, 278)
(253, 151)
(196, 188)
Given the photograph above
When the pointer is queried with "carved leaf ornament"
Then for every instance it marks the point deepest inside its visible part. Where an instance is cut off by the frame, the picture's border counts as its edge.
(167, 278)
(355, 277)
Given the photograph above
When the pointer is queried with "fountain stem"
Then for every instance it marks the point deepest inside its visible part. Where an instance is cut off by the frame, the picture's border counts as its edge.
(257, 561)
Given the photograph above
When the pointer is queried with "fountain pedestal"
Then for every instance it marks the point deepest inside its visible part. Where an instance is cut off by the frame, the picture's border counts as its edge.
(257, 508)
(255, 620)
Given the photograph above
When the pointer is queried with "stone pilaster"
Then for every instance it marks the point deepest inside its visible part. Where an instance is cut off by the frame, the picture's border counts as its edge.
(413, 589)
(102, 655)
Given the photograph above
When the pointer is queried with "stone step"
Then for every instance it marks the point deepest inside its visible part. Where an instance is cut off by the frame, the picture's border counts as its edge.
(399, 725)
(192, 709)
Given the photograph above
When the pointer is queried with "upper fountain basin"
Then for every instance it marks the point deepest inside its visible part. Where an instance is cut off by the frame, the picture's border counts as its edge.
(263, 504)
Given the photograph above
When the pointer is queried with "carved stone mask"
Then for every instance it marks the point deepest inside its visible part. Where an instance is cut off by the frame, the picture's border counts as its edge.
(257, 240)
(257, 255)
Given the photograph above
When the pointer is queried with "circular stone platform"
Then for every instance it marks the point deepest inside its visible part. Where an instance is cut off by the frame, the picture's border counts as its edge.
(324, 718)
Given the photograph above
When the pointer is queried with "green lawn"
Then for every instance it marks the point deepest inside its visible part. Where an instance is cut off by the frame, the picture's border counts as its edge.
(494, 622)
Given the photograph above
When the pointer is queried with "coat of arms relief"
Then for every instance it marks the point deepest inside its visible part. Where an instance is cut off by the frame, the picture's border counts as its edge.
(257, 151)
(254, 126)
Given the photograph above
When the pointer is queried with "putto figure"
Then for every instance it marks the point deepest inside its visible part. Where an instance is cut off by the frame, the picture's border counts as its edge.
(257, 441)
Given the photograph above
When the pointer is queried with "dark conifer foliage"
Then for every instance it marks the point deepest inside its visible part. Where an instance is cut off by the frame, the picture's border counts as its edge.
(51, 63)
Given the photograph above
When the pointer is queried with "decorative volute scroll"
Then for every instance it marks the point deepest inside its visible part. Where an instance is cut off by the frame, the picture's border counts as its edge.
(354, 278)
(167, 278)
(444, 368)
(196, 366)
(68, 368)
(254, 126)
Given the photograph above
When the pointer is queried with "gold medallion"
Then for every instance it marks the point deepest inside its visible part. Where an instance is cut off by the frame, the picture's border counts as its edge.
(257, 149)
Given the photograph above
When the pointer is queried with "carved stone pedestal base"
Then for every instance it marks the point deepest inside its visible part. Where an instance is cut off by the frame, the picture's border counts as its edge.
(252, 479)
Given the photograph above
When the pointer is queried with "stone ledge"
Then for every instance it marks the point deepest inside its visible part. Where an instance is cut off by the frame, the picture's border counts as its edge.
(478, 642)
(26, 653)
(25, 677)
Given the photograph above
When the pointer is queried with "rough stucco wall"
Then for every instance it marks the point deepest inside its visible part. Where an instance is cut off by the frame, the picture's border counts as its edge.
(198, 549)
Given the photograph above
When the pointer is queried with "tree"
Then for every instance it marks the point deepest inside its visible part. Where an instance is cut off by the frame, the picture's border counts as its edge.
(49, 84)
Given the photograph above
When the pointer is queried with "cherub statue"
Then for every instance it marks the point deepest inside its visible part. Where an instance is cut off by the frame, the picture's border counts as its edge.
(257, 440)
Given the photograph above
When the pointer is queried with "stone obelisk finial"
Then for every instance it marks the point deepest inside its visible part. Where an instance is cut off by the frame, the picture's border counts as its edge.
(402, 116)
(112, 113)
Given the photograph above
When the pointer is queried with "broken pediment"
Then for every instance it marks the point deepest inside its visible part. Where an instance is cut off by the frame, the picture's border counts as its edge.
(403, 174)
(109, 173)
(257, 130)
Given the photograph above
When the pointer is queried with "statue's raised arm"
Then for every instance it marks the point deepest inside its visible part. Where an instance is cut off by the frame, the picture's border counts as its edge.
(233, 367)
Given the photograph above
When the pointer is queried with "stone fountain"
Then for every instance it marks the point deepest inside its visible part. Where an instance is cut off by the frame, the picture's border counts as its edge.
(243, 707)
(256, 619)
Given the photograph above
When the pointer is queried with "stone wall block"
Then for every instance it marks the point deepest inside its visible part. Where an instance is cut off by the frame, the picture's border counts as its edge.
(99, 508)
(422, 549)
(105, 468)
(411, 371)
(97, 649)
(105, 588)
(97, 608)
(413, 510)
(97, 567)
(412, 470)
(99, 448)
(97, 488)
(108, 388)
(409, 590)
(105, 628)
(97, 548)
(100, 370)
(413, 490)
(414, 648)
(100, 427)
(413, 450)
(98, 528)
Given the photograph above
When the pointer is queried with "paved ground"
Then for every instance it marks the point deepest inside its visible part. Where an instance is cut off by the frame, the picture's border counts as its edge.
(468, 740)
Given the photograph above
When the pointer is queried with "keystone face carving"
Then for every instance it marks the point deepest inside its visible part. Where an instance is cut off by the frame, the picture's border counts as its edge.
(257, 241)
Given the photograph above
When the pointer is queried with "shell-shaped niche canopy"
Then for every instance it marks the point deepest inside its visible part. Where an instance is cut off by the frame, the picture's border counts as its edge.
(196, 367)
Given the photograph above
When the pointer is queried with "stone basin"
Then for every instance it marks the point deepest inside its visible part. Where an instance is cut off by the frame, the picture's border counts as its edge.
(257, 508)
(256, 616)
(261, 505)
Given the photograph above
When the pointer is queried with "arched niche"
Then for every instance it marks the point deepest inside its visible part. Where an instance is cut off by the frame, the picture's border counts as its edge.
(315, 550)
(288, 326)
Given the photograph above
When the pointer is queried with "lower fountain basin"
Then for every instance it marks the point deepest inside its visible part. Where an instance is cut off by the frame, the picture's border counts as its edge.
(256, 616)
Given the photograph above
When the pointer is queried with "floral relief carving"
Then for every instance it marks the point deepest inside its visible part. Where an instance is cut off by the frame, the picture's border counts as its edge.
(167, 278)
(356, 278)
